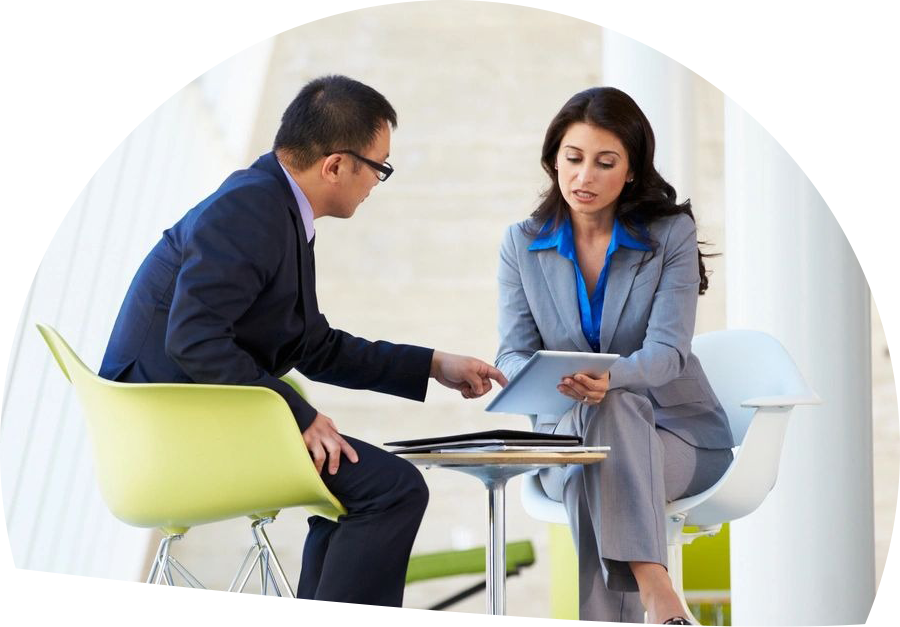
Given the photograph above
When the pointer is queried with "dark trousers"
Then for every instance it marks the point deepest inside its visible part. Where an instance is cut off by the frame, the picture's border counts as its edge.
(363, 557)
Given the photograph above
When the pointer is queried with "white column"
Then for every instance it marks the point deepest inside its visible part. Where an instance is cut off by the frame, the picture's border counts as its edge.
(806, 556)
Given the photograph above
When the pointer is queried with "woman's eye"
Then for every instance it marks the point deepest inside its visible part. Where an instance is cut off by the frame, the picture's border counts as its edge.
(573, 159)
(607, 166)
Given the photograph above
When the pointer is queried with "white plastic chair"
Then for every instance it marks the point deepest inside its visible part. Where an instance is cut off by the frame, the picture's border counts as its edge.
(758, 385)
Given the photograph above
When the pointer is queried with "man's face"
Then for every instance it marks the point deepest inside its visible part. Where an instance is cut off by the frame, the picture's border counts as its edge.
(359, 177)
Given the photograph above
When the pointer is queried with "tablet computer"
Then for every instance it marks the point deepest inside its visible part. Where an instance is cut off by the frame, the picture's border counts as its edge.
(533, 389)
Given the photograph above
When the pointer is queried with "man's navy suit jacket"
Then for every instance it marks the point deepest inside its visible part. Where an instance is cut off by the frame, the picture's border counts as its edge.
(228, 295)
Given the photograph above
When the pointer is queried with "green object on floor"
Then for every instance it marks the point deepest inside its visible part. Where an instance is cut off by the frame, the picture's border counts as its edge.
(706, 562)
(706, 567)
(469, 561)
(563, 573)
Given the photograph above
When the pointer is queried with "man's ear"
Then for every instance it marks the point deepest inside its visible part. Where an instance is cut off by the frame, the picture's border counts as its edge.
(331, 167)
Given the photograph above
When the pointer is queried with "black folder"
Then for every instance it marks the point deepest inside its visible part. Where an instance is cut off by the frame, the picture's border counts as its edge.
(497, 437)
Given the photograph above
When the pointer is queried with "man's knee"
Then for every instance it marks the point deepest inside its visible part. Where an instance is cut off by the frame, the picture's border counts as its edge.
(409, 487)
(381, 481)
(418, 489)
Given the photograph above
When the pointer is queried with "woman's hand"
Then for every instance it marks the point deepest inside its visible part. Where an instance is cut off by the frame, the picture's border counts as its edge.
(584, 388)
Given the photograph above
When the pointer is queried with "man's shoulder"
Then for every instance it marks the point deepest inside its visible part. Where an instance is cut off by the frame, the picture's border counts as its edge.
(247, 201)
(251, 182)
(253, 189)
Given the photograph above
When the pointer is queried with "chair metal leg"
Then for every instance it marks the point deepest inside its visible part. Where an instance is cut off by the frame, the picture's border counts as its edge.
(163, 558)
(192, 581)
(163, 563)
(161, 568)
(259, 533)
(271, 577)
(263, 572)
(237, 575)
(265, 579)
(253, 564)
(677, 538)
(675, 574)
(156, 560)
(264, 566)
(261, 555)
(167, 571)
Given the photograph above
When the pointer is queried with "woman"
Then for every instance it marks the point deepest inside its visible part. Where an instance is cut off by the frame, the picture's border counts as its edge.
(609, 263)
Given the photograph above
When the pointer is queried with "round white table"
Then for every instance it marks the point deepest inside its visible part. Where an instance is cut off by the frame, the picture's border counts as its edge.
(495, 468)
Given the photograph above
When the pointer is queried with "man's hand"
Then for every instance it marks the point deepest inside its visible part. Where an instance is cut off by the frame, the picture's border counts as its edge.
(324, 442)
(472, 377)
(585, 388)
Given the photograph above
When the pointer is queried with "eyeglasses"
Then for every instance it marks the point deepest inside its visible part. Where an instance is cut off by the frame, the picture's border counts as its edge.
(384, 170)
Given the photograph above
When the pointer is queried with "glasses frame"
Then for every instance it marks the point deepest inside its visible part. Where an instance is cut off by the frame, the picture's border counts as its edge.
(384, 170)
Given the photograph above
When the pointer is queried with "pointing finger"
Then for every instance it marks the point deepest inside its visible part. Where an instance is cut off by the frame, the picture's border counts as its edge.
(497, 376)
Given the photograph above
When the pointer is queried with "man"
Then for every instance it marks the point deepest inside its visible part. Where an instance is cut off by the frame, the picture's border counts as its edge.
(228, 296)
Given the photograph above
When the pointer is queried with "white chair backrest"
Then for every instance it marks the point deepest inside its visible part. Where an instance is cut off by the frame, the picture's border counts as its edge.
(741, 365)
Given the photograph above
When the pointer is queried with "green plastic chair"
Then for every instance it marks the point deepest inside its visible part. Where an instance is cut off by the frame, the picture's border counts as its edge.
(424, 567)
(173, 456)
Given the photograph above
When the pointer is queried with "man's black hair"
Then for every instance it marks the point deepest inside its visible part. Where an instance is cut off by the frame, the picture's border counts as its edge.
(331, 113)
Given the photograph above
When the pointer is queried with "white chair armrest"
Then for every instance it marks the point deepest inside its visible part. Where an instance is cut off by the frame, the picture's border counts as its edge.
(784, 400)
(538, 505)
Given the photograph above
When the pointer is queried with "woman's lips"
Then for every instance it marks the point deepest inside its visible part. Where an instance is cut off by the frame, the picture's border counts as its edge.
(584, 196)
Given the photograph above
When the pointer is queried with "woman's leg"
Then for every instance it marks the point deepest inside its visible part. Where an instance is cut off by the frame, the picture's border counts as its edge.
(595, 600)
(688, 470)
(622, 545)
(628, 484)
(630, 525)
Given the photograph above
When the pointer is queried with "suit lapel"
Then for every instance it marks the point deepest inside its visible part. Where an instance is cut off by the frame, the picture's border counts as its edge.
(623, 267)
(559, 273)
(305, 259)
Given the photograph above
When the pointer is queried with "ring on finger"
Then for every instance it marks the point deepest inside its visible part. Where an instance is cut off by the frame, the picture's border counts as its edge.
(585, 399)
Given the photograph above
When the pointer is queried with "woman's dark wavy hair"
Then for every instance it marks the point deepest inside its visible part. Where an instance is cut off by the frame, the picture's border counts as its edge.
(647, 198)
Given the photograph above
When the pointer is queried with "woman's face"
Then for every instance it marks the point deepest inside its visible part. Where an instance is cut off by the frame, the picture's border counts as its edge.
(592, 167)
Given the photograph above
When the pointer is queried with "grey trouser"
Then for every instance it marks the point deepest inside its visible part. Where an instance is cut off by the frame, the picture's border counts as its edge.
(647, 466)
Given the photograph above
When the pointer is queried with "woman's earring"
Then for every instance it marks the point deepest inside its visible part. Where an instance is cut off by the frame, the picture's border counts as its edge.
(629, 180)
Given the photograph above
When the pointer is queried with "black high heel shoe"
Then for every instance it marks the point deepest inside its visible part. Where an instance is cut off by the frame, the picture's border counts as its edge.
(677, 620)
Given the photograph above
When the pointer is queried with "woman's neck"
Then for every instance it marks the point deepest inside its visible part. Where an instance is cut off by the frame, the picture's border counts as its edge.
(594, 225)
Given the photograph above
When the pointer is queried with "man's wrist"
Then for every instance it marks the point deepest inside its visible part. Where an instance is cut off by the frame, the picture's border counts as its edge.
(436, 359)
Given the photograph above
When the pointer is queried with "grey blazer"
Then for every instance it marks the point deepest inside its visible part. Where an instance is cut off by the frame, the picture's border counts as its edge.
(648, 319)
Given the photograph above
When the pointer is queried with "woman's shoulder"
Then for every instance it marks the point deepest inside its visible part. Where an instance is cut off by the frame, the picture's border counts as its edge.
(672, 228)
(521, 234)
